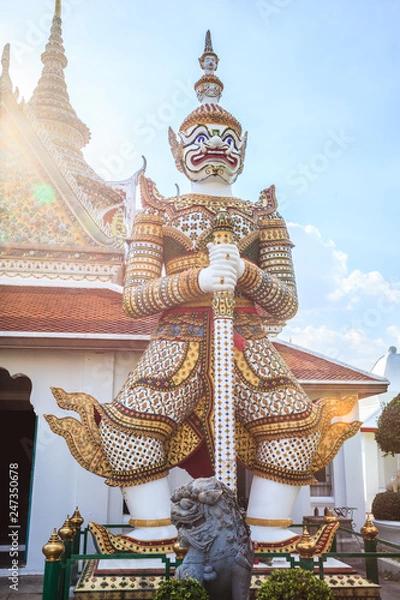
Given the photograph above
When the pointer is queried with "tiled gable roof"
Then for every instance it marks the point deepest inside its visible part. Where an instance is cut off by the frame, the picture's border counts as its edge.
(67, 310)
(316, 367)
(95, 312)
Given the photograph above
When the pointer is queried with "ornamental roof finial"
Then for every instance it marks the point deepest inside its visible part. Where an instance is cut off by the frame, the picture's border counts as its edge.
(209, 87)
(5, 81)
(57, 10)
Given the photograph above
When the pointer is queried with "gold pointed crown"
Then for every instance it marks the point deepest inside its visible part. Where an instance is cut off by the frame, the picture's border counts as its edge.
(206, 114)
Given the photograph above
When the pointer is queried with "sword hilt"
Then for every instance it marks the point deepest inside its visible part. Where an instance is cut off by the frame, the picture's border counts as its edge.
(223, 302)
(222, 227)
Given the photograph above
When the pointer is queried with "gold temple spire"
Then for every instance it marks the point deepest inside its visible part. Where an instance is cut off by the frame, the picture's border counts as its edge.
(50, 102)
(57, 10)
(5, 81)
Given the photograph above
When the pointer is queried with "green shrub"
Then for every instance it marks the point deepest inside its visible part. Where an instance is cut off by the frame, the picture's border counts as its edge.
(181, 589)
(386, 506)
(387, 435)
(294, 584)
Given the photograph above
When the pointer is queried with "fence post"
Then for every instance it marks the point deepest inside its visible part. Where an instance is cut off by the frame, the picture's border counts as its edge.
(331, 518)
(66, 533)
(306, 547)
(77, 522)
(369, 533)
(52, 551)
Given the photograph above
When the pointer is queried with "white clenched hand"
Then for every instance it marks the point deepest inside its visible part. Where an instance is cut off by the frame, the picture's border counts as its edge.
(225, 268)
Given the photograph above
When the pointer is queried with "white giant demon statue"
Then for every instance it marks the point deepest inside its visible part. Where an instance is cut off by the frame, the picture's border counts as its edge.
(164, 414)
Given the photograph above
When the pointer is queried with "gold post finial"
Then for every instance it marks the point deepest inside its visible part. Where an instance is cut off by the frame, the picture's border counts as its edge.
(306, 545)
(368, 530)
(54, 548)
(66, 531)
(77, 519)
(57, 10)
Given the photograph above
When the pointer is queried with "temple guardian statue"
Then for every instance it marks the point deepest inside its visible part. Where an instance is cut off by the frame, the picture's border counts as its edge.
(164, 415)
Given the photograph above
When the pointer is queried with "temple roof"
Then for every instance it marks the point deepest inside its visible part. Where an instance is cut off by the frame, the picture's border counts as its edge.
(94, 317)
(58, 215)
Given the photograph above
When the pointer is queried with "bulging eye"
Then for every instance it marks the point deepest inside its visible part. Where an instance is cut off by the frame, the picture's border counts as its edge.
(229, 140)
(186, 504)
(201, 139)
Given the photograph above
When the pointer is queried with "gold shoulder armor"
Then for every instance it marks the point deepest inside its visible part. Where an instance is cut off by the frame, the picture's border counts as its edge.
(149, 194)
(267, 200)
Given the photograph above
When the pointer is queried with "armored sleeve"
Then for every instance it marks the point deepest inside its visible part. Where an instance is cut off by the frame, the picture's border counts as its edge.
(146, 291)
(271, 283)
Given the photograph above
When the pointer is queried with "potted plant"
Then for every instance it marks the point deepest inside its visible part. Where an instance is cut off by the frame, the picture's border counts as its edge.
(386, 505)
(294, 584)
(181, 589)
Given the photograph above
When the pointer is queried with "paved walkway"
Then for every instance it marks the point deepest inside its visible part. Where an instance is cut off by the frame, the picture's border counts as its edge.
(30, 588)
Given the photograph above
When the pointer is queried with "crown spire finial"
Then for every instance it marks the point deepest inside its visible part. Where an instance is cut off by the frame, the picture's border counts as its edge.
(208, 43)
(209, 87)
(208, 60)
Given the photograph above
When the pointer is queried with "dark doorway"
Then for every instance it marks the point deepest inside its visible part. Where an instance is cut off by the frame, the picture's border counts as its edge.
(17, 433)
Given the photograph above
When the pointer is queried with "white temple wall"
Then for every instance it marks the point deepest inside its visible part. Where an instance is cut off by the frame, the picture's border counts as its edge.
(60, 483)
(371, 467)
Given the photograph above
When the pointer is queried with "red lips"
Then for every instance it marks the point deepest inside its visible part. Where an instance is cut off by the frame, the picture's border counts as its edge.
(218, 155)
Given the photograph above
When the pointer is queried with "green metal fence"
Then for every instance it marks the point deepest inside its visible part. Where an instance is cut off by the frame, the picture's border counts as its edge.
(67, 550)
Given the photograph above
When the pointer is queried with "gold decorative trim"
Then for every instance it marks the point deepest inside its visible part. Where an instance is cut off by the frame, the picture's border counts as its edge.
(150, 522)
(223, 304)
(269, 522)
(211, 113)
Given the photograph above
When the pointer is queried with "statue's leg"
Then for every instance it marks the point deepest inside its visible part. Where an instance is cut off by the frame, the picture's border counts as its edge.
(137, 427)
(283, 425)
(269, 510)
(149, 505)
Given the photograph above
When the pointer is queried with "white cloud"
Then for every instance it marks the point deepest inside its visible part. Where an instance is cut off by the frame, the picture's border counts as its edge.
(348, 316)
(373, 283)
(352, 346)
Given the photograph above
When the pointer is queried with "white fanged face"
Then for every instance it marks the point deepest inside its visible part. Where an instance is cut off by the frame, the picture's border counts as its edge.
(212, 151)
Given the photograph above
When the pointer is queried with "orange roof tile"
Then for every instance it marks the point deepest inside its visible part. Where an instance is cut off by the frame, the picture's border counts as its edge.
(67, 310)
(315, 367)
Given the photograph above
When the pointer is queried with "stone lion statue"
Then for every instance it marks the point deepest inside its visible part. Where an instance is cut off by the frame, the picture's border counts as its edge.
(212, 526)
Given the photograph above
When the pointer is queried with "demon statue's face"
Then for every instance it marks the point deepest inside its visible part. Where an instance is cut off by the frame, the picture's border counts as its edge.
(209, 150)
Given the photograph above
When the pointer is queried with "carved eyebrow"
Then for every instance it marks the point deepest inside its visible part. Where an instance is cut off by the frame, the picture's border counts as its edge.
(199, 129)
(229, 131)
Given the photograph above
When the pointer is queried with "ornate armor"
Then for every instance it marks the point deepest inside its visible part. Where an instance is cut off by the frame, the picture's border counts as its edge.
(164, 412)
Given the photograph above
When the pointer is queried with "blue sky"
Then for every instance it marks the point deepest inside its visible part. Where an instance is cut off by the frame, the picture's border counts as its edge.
(315, 84)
